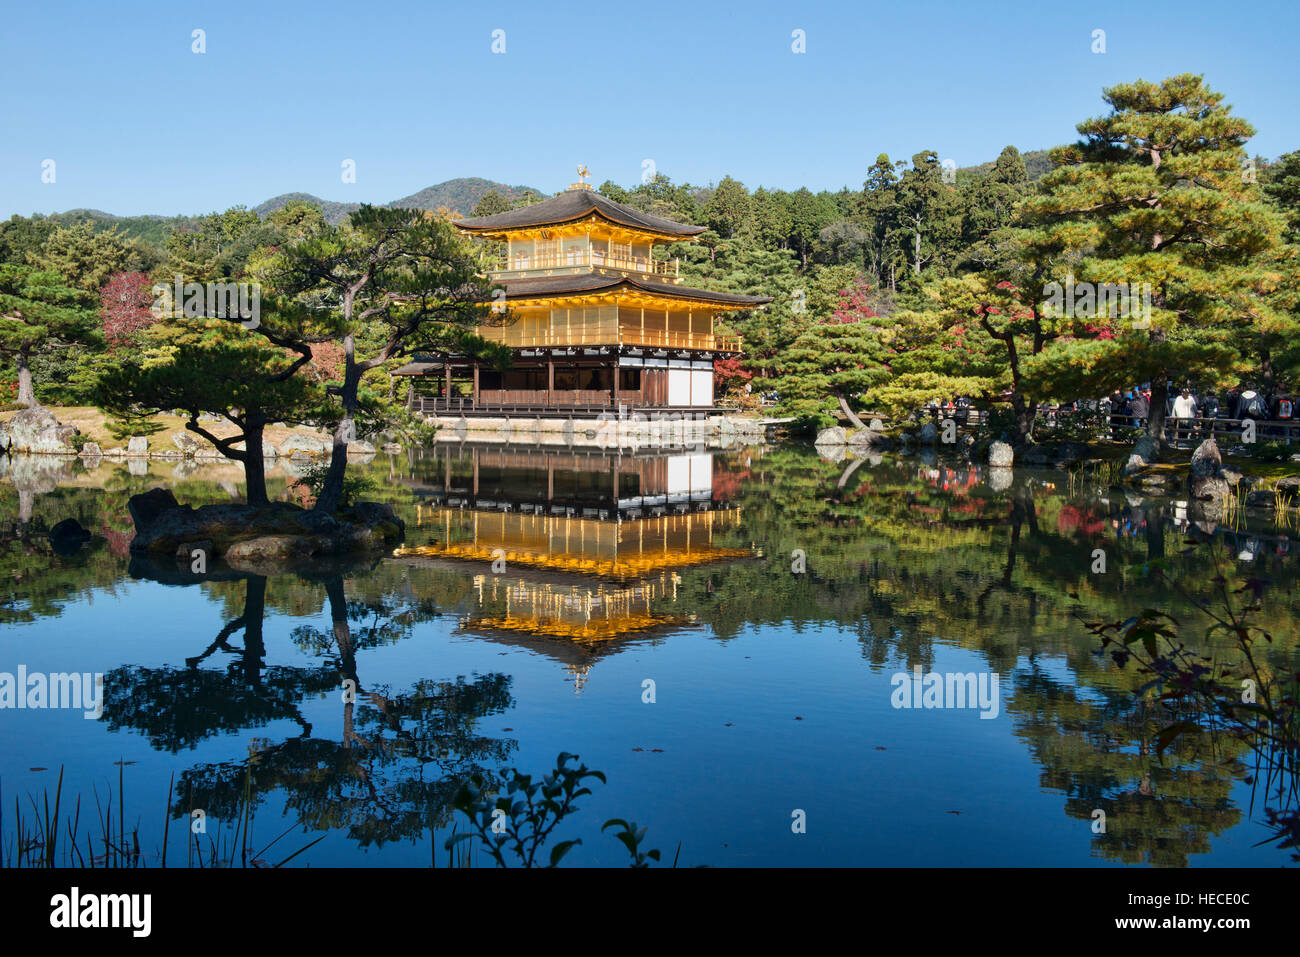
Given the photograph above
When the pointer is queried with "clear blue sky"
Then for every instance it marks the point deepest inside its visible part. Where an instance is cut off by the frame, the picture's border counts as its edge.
(412, 92)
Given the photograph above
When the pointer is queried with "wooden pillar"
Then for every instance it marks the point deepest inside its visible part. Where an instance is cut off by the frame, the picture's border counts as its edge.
(474, 403)
(550, 382)
(476, 473)
(449, 385)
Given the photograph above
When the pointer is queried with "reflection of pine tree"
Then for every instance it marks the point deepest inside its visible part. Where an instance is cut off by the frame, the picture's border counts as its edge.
(1099, 754)
(402, 754)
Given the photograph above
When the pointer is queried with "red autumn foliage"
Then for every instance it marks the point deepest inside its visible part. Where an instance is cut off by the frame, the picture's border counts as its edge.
(728, 374)
(853, 305)
(125, 303)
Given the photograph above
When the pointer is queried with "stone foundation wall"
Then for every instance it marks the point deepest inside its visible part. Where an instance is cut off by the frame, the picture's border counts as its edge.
(595, 432)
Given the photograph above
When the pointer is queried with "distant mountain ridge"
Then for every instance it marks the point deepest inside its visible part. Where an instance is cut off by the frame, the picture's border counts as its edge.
(459, 195)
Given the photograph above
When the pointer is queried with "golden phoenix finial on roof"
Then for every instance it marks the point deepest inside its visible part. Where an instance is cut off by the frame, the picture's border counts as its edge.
(582, 173)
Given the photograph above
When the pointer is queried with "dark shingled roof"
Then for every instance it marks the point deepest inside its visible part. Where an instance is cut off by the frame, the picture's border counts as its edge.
(591, 282)
(571, 206)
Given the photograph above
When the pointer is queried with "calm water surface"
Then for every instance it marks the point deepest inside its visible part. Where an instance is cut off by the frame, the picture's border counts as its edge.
(771, 596)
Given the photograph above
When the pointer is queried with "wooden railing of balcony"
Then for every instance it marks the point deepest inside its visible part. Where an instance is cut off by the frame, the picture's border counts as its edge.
(609, 336)
(560, 397)
(594, 257)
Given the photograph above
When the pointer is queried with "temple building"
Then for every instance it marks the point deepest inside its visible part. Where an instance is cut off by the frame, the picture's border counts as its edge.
(599, 323)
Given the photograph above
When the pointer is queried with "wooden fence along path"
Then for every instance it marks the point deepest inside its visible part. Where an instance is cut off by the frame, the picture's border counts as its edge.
(1118, 426)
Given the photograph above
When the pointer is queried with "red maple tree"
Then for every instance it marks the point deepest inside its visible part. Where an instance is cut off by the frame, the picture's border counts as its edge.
(125, 303)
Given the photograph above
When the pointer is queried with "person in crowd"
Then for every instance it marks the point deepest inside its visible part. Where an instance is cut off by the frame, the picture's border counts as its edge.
(1282, 409)
(1209, 410)
(1183, 411)
(1250, 404)
(1139, 408)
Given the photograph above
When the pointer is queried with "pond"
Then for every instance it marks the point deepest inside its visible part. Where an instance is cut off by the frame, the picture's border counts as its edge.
(740, 640)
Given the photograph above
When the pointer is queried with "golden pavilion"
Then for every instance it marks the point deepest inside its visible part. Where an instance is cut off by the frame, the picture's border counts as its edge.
(596, 321)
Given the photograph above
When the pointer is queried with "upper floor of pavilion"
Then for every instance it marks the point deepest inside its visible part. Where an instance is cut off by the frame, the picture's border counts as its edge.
(581, 232)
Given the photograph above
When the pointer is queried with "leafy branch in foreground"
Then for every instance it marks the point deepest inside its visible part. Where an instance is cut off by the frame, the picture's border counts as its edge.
(519, 822)
(1247, 698)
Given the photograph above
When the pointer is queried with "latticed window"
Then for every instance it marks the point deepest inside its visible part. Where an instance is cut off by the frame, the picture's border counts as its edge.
(548, 251)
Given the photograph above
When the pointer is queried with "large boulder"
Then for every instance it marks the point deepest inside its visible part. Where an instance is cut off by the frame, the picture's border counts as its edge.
(871, 439)
(835, 435)
(929, 434)
(1145, 448)
(137, 446)
(359, 447)
(1206, 460)
(1289, 486)
(146, 507)
(310, 445)
(37, 430)
(268, 548)
(4, 436)
(186, 443)
(1233, 475)
(1001, 455)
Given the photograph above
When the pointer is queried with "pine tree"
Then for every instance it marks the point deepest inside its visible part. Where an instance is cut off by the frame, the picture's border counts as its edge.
(394, 281)
(208, 365)
(1156, 196)
(727, 211)
(39, 311)
(834, 358)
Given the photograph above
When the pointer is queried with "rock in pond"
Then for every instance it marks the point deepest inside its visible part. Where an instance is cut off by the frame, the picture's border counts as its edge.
(37, 430)
(251, 534)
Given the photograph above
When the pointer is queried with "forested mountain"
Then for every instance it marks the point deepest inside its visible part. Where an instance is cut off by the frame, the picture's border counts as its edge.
(458, 195)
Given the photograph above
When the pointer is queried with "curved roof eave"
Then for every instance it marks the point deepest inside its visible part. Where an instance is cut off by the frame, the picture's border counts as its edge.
(573, 206)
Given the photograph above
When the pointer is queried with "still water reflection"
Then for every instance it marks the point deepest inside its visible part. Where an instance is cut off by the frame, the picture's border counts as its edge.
(719, 632)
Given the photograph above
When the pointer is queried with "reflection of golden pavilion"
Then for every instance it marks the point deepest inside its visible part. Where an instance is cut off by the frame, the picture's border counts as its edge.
(582, 547)
(619, 548)
(579, 612)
